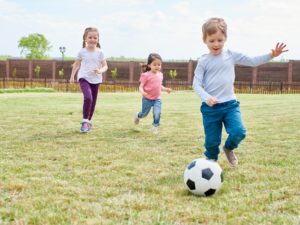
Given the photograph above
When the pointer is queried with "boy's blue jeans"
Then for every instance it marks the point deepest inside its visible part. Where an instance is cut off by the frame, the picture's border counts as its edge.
(227, 113)
(147, 104)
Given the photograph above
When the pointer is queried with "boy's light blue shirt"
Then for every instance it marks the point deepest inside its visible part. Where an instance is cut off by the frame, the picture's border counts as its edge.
(215, 75)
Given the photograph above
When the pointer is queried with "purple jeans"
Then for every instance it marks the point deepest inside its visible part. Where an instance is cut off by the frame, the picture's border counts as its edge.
(90, 93)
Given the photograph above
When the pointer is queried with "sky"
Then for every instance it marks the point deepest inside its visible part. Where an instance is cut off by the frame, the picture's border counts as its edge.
(135, 28)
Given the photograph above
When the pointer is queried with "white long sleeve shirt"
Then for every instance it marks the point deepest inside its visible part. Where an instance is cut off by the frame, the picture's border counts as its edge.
(215, 75)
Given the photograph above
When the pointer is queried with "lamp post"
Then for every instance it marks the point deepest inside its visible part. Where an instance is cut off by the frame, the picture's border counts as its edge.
(62, 50)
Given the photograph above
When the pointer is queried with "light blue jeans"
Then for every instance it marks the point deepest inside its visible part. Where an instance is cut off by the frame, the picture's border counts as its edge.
(227, 114)
(147, 104)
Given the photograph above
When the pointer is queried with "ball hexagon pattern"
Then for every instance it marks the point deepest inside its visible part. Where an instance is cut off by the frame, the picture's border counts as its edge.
(203, 177)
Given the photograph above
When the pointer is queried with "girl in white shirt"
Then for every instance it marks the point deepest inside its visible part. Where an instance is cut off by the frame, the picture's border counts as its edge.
(90, 64)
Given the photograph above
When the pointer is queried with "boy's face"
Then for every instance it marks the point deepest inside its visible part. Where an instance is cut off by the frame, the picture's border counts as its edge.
(215, 42)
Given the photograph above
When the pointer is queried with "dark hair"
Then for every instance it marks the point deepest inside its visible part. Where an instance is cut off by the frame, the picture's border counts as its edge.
(150, 59)
(86, 31)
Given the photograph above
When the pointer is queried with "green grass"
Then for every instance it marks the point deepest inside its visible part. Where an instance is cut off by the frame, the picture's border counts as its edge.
(122, 174)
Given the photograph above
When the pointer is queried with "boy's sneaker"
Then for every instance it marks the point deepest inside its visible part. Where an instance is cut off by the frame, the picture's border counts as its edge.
(231, 158)
(154, 130)
(136, 119)
(84, 127)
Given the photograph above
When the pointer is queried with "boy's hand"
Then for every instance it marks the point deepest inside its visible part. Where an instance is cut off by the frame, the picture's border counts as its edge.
(211, 101)
(278, 49)
(71, 80)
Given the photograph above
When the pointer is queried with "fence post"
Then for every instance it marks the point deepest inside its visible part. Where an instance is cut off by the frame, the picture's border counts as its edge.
(7, 68)
(254, 75)
(30, 69)
(290, 71)
(53, 70)
(131, 71)
(190, 71)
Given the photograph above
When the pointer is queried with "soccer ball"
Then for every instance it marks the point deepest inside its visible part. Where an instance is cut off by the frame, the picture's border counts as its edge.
(203, 177)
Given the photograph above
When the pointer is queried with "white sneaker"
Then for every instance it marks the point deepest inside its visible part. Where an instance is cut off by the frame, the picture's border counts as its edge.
(154, 130)
(136, 119)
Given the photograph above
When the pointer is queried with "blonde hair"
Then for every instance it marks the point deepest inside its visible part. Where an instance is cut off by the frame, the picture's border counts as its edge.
(212, 25)
(86, 31)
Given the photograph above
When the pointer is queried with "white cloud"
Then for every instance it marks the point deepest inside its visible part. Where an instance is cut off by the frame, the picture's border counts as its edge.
(8, 6)
(265, 23)
(133, 28)
(182, 8)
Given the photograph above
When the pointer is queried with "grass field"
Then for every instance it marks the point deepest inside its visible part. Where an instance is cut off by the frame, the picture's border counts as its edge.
(123, 174)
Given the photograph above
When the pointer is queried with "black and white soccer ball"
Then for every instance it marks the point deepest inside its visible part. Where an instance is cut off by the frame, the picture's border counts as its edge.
(203, 177)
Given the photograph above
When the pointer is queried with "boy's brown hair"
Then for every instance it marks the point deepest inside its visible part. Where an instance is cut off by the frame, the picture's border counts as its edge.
(212, 25)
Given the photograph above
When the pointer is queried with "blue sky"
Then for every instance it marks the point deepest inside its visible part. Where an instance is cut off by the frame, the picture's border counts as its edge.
(134, 28)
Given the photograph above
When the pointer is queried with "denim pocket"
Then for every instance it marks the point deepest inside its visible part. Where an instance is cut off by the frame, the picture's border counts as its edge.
(203, 106)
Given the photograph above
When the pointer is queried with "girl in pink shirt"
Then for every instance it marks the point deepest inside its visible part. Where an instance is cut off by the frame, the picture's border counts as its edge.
(151, 87)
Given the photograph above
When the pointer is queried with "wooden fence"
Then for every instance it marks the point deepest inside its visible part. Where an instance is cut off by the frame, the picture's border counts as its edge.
(288, 72)
(125, 86)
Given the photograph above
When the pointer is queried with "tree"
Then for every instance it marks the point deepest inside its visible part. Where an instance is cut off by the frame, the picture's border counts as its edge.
(35, 46)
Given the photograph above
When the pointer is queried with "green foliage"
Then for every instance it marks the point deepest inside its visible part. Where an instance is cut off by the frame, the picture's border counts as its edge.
(172, 74)
(61, 73)
(14, 73)
(114, 73)
(4, 57)
(37, 71)
(35, 46)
